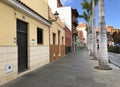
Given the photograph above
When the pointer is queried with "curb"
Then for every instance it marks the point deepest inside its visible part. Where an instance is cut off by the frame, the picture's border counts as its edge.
(114, 63)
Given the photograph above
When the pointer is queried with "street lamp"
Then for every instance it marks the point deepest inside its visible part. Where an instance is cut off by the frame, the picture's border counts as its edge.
(56, 16)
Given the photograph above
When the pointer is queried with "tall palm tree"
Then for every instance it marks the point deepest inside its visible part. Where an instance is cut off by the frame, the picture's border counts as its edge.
(94, 3)
(103, 53)
(87, 6)
(86, 18)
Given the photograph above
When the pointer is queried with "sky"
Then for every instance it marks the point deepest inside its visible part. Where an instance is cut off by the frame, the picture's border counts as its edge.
(112, 11)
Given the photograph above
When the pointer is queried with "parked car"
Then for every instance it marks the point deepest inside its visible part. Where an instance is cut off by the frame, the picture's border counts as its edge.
(117, 44)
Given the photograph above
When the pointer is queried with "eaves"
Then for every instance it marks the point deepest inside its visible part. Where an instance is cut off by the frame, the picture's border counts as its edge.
(18, 5)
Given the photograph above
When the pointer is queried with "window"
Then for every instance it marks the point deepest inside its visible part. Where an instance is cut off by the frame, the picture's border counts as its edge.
(39, 36)
(62, 40)
(54, 37)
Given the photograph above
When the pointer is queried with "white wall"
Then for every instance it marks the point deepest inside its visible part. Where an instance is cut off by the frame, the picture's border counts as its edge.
(65, 13)
(53, 5)
(66, 16)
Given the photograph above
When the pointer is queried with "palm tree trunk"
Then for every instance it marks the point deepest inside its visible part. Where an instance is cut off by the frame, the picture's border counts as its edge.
(103, 53)
(91, 42)
(94, 31)
(88, 39)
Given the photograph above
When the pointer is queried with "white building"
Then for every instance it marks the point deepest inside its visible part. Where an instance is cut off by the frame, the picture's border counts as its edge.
(65, 13)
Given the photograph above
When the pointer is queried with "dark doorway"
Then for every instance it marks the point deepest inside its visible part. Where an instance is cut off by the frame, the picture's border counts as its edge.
(22, 45)
(58, 43)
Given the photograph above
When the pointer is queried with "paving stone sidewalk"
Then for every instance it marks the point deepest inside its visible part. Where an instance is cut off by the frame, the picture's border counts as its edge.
(73, 70)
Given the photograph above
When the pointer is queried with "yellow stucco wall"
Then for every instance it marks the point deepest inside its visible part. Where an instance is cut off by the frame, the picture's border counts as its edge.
(55, 27)
(39, 6)
(32, 29)
(38, 55)
(8, 27)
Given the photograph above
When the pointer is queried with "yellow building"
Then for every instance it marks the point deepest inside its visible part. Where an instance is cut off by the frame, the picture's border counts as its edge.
(24, 37)
(57, 38)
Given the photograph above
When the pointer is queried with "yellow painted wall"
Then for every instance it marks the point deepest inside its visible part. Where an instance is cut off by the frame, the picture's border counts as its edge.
(8, 27)
(32, 29)
(55, 27)
(40, 6)
(8, 49)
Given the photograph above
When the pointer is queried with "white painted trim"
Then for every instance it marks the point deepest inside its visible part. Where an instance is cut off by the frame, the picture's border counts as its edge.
(15, 4)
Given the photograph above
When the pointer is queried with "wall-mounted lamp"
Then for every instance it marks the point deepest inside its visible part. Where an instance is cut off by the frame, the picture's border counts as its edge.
(56, 16)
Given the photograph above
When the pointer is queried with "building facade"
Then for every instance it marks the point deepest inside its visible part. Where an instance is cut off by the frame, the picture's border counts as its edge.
(57, 38)
(24, 38)
(68, 40)
(110, 30)
(68, 15)
(74, 30)
(82, 33)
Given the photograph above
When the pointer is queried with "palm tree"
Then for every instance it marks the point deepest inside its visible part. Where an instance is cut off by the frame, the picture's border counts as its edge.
(94, 2)
(103, 53)
(87, 6)
(86, 18)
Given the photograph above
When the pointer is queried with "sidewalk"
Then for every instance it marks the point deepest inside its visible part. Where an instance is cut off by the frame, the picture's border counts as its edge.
(74, 70)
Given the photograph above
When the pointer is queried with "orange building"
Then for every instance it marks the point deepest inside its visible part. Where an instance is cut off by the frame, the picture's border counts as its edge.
(110, 30)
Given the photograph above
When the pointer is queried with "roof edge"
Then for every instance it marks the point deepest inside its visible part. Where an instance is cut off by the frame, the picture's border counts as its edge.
(24, 8)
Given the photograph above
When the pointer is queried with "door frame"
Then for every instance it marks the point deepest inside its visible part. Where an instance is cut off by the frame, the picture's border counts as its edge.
(27, 63)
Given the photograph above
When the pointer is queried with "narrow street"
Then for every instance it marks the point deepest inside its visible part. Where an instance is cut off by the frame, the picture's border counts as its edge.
(114, 58)
(73, 70)
(43, 43)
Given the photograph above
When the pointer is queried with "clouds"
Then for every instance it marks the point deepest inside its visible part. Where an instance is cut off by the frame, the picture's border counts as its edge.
(66, 2)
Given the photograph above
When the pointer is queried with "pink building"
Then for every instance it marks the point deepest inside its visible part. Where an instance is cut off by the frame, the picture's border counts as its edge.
(68, 40)
(82, 33)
